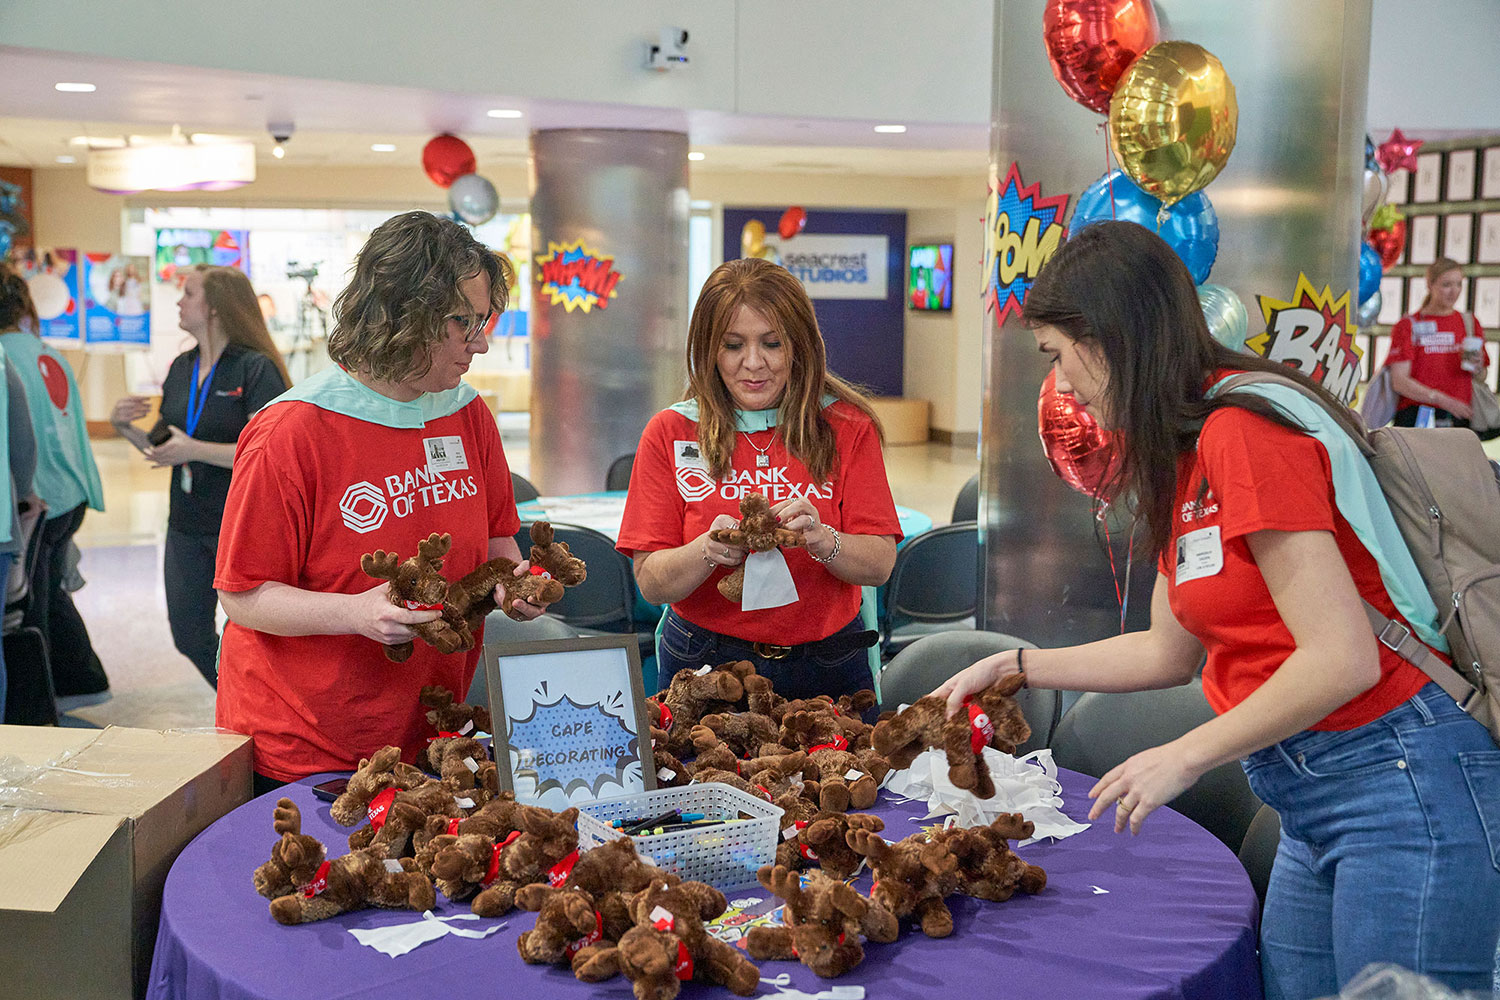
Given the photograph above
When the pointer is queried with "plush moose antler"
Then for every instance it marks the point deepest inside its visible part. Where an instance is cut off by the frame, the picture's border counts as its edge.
(758, 532)
(418, 585)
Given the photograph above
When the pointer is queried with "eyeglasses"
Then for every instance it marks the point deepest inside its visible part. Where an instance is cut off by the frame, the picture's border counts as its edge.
(473, 326)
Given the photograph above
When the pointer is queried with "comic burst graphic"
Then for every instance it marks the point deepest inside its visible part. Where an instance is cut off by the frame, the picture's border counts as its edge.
(1022, 232)
(576, 277)
(1313, 333)
(576, 746)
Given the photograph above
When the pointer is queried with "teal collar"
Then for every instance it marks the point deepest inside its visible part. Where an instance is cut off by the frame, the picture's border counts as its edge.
(748, 421)
(337, 391)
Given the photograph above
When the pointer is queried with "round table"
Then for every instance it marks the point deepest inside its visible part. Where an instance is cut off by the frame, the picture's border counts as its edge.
(1168, 913)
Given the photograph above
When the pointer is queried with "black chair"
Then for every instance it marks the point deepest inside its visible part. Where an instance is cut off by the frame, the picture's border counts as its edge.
(1103, 730)
(523, 490)
(618, 476)
(966, 504)
(1258, 850)
(932, 659)
(30, 697)
(500, 627)
(605, 602)
(933, 586)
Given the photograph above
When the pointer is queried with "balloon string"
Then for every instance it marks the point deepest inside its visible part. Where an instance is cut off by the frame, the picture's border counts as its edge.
(1122, 593)
(1109, 176)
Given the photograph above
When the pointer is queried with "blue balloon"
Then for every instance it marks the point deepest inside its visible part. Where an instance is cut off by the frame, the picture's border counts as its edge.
(1369, 271)
(1370, 162)
(1191, 226)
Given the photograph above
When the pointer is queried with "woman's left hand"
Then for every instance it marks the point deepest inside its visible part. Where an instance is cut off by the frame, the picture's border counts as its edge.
(799, 514)
(178, 449)
(527, 609)
(1149, 779)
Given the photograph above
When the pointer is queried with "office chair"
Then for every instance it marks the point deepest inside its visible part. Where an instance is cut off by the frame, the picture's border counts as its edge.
(966, 504)
(523, 490)
(933, 586)
(500, 627)
(618, 476)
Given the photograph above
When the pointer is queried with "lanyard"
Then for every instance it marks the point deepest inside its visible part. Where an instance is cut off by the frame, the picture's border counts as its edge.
(198, 396)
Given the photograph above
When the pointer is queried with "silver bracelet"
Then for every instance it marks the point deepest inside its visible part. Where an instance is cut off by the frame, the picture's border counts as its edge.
(838, 543)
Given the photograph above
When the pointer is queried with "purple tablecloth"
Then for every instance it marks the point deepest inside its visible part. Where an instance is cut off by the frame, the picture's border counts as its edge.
(1169, 913)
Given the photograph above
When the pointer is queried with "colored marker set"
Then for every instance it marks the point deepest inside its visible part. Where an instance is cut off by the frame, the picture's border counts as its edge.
(670, 821)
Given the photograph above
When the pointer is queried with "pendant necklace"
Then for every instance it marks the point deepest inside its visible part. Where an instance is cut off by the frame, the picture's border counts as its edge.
(762, 460)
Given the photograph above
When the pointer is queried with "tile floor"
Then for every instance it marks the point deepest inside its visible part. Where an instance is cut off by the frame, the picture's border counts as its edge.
(153, 686)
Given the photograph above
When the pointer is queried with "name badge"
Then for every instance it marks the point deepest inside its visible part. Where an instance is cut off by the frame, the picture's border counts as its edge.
(445, 454)
(1199, 553)
(688, 455)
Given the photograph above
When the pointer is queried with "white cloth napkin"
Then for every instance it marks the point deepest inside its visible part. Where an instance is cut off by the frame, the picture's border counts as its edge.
(399, 939)
(1027, 785)
(768, 582)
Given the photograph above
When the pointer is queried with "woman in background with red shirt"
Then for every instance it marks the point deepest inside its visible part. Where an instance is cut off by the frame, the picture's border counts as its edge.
(1387, 791)
(1433, 362)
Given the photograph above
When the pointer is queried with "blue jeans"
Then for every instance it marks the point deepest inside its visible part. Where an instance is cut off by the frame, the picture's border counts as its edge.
(684, 644)
(1390, 850)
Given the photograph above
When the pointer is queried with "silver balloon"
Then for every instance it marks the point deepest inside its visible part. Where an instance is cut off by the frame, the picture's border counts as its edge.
(1376, 184)
(1225, 314)
(473, 199)
(1364, 316)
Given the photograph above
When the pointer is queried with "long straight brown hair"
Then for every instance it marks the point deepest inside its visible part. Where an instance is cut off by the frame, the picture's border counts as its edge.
(770, 290)
(232, 302)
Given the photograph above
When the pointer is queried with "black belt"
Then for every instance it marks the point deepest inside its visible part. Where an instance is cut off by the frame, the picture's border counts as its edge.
(839, 642)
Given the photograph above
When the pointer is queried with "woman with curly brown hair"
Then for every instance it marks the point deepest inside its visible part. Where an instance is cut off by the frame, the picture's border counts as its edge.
(762, 413)
(378, 452)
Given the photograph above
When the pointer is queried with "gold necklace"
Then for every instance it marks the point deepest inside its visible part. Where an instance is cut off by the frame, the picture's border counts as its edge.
(762, 460)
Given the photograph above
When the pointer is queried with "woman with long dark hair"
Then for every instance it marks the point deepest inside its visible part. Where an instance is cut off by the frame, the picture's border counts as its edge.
(209, 395)
(1390, 821)
(764, 413)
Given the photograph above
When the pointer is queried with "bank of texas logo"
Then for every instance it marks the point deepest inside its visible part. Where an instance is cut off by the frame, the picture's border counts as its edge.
(363, 507)
(694, 484)
(576, 277)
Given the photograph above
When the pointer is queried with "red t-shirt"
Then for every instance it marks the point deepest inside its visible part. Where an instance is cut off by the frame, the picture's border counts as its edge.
(1261, 476)
(1434, 346)
(313, 490)
(673, 499)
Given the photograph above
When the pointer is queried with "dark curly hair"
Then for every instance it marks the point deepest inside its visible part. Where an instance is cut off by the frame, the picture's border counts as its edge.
(405, 283)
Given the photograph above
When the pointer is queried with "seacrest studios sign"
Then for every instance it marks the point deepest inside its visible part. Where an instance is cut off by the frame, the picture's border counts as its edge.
(853, 267)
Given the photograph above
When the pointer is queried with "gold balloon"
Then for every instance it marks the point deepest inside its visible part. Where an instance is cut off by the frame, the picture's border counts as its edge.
(1172, 120)
(753, 238)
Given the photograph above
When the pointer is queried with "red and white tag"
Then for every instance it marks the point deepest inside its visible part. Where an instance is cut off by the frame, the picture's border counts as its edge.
(453, 825)
(666, 718)
(493, 871)
(981, 729)
(592, 937)
(684, 968)
(418, 606)
(319, 882)
(663, 919)
(837, 743)
(558, 873)
(380, 808)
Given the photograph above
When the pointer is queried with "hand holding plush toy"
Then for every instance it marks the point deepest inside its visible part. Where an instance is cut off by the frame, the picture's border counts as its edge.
(758, 532)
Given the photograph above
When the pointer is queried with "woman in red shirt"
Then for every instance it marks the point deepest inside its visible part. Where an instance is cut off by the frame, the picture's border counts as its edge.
(1387, 791)
(1437, 352)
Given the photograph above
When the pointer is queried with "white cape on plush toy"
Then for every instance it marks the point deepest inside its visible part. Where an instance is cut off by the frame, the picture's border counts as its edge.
(1027, 785)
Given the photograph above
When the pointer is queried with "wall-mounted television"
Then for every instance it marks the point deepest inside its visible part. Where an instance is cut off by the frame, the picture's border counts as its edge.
(929, 285)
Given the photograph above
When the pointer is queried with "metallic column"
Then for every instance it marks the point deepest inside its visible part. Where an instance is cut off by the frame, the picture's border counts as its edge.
(598, 375)
(1288, 201)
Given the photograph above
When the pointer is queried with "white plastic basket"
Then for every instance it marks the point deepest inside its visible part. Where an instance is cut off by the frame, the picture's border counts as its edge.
(723, 855)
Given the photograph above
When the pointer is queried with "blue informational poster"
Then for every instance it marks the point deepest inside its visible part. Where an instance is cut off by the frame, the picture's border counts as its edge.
(52, 276)
(116, 300)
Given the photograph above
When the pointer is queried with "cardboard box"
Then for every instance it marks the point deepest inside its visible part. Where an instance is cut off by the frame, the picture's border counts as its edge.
(90, 823)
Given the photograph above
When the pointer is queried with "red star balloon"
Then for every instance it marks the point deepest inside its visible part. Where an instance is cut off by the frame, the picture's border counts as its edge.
(1398, 152)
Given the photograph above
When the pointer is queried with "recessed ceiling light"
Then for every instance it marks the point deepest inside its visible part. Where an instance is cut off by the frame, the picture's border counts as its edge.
(75, 88)
(695, 156)
(506, 113)
(67, 159)
(382, 147)
(893, 129)
(278, 151)
(98, 141)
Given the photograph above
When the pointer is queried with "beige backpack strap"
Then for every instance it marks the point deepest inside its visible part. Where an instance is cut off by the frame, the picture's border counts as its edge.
(1396, 637)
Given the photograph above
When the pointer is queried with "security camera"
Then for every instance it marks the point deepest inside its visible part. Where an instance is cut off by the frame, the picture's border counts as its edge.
(668, 51)
(281, 132)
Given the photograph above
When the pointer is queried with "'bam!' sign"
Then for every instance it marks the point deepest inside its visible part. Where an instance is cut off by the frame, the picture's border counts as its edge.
(1022, 232)
(1314, 334)
(576, 277)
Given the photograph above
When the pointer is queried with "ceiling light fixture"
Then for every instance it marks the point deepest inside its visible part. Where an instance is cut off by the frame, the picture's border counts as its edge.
(891, 129)
(278, 151)
(171, 164)
(75, 88)
(505, 113)
(695, 156)
(382, 147)
(98, 141)
(67, 159)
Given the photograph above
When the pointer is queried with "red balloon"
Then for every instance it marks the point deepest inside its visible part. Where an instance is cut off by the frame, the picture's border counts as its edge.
(1091, 42)
(1388, 242)
(1398, 152)
(792, 221)
(446, 158)
(1077, 448)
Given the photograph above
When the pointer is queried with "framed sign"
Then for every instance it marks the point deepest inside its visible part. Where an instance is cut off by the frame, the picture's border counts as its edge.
(1487, 302)
(1459, 184)
(1488, 249)
(569, 719)
(1392, 300)
(1416, 293)
(1424, 239)
(1399, 191)
(1427, 186)
(1458, 237)
(1489, 174)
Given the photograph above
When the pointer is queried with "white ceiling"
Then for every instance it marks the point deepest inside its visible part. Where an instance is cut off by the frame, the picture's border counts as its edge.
(335, 123)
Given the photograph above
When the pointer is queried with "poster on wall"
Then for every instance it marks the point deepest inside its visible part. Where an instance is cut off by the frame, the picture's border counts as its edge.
(177, 250)
(116, 300)
(52, 278)
(1313, 333)
(1022, 232)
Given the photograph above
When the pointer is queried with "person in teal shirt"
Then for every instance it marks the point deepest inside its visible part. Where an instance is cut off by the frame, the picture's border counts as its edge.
(66, 479)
